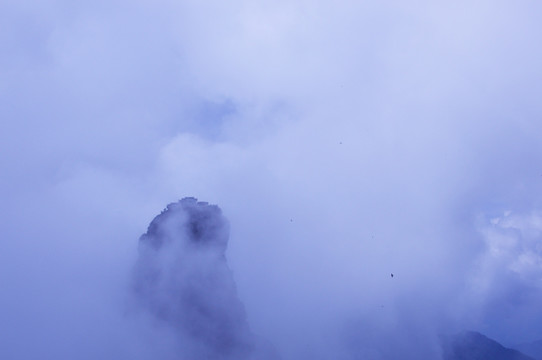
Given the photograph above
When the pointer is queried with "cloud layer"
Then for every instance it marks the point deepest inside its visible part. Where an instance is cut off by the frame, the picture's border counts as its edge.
(343, 140)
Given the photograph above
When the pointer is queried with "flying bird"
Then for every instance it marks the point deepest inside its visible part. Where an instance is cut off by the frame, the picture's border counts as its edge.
(392, 275)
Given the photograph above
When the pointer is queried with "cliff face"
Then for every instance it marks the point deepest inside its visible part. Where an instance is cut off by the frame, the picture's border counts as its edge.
(182, 279)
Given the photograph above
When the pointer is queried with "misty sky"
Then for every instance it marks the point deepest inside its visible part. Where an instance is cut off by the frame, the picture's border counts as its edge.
(343, 140)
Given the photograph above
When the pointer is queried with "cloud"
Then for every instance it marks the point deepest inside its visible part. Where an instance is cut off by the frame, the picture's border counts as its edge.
(344, 141)
(506, 279)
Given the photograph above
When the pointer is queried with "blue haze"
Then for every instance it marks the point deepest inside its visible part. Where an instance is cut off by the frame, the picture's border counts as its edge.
(344, 141)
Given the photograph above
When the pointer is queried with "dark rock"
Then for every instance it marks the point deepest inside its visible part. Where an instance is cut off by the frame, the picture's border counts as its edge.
(182, 278)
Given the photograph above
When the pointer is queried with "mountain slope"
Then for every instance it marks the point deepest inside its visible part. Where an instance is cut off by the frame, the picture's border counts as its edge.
(471, 345)
(533, 349)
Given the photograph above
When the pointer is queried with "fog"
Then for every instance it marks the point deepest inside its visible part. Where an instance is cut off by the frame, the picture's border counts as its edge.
(343, 141)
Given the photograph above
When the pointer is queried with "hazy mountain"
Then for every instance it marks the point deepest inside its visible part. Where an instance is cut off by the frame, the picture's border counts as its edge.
(182, 278)
(533, 349)
(471, 345)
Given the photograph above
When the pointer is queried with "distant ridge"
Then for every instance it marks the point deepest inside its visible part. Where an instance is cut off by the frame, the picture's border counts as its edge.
(471, 345)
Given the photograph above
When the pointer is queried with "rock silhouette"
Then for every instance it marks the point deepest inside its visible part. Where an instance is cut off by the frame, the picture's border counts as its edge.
(182, 278)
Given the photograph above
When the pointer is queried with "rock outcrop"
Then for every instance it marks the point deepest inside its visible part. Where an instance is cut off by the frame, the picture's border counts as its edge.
(182, 278)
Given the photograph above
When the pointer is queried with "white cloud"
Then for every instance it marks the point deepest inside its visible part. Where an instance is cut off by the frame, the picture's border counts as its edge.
(348, 140)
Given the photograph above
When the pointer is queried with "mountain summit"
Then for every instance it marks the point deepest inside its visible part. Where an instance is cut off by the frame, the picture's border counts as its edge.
(182, 278)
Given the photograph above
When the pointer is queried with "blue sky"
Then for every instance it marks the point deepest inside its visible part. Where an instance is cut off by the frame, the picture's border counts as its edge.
(399, 137)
